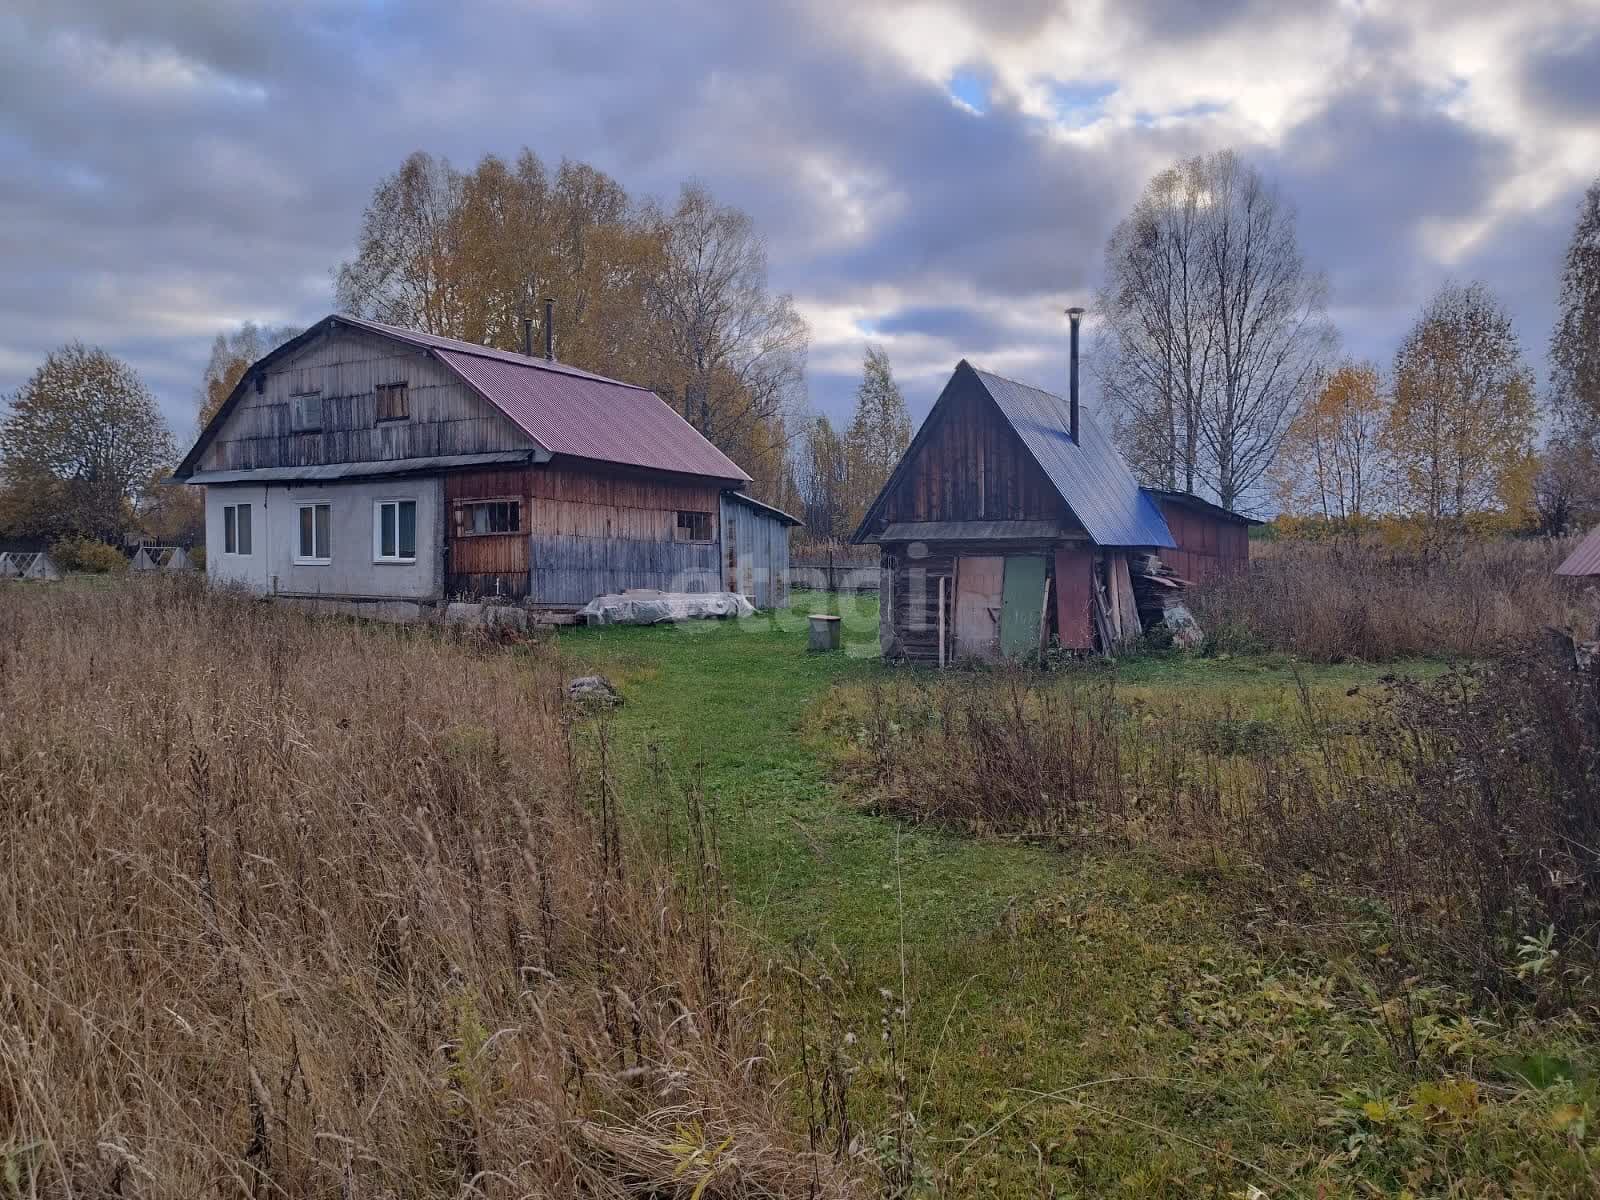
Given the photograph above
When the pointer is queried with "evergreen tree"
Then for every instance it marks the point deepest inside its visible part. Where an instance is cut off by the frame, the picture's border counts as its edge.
(1575, 344)
(878, 434)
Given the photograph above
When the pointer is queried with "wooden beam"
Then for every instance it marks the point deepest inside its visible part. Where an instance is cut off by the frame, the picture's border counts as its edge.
(1127, 607)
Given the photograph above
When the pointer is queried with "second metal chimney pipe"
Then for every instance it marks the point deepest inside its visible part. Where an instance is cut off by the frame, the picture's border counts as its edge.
(527, 336)
(550, 328)
(1074, 314)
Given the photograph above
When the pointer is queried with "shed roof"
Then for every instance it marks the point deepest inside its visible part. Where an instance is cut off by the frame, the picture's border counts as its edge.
(377, 468)
(969, 531)
(1585, 560)
(770, 510)
(1201, 505)
(1089, 474)
(564, 410)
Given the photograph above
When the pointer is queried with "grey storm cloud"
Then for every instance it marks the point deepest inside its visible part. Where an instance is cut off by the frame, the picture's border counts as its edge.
(172, 168)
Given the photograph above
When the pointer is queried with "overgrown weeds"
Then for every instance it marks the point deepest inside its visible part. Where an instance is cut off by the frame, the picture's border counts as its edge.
(294, 909)
(1464, 812)
(1353, 599)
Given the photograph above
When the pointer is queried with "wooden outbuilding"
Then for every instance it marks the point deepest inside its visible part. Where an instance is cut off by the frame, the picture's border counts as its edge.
(1012, 523)
(1212, 542)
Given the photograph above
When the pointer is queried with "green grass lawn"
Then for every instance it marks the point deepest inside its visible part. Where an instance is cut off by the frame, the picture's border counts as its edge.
(1075, 1025)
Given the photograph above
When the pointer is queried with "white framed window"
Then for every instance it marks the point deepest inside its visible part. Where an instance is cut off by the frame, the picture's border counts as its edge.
(394, 531)
(236, 529)
(307, 411)
(314, 534)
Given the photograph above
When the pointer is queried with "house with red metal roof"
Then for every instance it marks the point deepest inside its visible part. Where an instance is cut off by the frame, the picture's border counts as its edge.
(363, 462)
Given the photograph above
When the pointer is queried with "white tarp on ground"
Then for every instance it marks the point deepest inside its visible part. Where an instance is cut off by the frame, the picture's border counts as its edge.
(655, 608)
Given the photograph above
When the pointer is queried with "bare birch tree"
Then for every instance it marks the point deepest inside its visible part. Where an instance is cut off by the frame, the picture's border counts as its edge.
(1217, 328)
(1156, 367)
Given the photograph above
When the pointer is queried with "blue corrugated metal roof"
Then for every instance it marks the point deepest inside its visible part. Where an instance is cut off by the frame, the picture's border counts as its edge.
(1089, 473)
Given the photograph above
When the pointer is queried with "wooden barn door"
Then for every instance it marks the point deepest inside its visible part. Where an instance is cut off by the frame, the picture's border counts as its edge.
(980, 588)
(1022, 607)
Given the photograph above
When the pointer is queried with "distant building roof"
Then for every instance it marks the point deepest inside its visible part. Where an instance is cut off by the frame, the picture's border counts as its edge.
(1585, 560)
(565, 410)
(1201, 505)
(1089, 474)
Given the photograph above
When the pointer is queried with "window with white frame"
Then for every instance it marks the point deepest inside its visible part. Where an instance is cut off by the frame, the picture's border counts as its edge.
(314, 535)
(394, 531)
(307, 411)
(236, 529)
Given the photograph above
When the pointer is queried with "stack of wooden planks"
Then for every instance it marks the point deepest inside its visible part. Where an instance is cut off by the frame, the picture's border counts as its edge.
(1155, 588)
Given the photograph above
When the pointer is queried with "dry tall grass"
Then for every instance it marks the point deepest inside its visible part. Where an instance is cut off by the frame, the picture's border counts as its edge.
(1467, 809)
(295, 909)
(1334, 601)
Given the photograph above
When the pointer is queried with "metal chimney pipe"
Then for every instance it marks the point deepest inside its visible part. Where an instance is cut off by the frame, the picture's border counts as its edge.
(527, 336)
(550, 328)
(1075, 315)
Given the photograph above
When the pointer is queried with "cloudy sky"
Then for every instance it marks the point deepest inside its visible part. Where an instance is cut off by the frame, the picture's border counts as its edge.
(939, 177)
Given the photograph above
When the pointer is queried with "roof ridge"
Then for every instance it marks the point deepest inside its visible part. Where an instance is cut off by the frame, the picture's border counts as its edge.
(462, 346)
(1019, 382)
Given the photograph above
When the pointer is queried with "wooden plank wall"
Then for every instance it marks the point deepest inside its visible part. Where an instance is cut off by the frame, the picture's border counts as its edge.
(1074, 589)
(587, 530)
(1208, 547)
(755, 555)
(908, 626)
(487, 564)
(973, 467)
(446, 416)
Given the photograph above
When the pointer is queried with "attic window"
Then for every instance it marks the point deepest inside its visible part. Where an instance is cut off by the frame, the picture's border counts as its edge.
(693, 527)
(393, 402)
(307, 411)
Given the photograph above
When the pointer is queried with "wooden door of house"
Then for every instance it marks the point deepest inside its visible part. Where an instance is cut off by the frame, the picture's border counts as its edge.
(980, 587)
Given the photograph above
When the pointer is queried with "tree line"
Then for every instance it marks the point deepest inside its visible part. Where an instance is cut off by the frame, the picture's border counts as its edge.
(1219, 365)
(1215, 357)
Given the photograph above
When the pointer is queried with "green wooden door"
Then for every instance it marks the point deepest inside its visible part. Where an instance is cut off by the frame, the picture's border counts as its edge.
(1021, 606)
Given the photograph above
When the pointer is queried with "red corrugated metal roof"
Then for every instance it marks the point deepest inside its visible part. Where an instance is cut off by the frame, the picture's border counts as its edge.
(1585, 560)
(573, 412)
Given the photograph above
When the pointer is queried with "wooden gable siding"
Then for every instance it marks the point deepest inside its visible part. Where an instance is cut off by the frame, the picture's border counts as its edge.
(971, 466)
(1208, 547)
(445, 415)
(586, 530)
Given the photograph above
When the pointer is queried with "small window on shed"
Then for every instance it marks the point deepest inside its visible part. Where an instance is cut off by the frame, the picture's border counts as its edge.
(393, 402)
(693, 527)
(307, 411)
